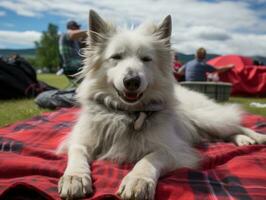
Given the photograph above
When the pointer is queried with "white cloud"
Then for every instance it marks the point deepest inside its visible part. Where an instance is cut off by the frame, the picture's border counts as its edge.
(220, 26)
(17, 38)
(20, 7)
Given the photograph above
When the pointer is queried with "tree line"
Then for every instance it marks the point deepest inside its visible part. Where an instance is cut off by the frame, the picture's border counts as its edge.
(47, 49)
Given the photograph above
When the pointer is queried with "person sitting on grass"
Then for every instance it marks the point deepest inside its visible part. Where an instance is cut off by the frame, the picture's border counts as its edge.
(197, 69)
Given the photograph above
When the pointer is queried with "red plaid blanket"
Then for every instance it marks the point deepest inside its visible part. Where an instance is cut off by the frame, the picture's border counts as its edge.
(29, 168)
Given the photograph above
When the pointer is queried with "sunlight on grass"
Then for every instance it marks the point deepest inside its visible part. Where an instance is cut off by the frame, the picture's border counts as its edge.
(15, 110)
(245, 102)
(19, 109)
(54, 80)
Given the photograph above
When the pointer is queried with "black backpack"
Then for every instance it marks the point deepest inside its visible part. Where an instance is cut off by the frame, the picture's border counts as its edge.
(18, 79)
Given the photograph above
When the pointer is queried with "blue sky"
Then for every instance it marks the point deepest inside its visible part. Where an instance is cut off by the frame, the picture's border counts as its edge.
(13, 22)
(223, 27)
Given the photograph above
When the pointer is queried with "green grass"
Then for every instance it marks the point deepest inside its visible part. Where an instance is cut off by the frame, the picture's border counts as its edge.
(19, 109)
(15, 110)
(245, 102)
(53, 80)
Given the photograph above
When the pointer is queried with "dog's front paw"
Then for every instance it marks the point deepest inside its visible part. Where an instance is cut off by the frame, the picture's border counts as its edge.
(137, 188)
(242, 140)
(72, 187)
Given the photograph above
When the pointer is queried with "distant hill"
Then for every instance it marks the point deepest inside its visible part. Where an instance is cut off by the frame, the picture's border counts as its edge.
(181, 56)
(22, 52)
(187, 57)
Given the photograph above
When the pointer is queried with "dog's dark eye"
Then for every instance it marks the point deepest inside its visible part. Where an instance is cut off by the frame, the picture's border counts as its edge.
(116, 57)
(146, 59)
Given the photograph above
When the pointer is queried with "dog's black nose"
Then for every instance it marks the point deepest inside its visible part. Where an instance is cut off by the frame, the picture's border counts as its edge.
(132, 83)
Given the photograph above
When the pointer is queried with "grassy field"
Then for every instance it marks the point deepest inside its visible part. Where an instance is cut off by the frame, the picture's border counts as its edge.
(245, 102)
(15, 110)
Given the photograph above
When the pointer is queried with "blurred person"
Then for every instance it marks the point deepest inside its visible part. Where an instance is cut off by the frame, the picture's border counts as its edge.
(197, 69)
(256, 62)
(176, 66)
(70, 44)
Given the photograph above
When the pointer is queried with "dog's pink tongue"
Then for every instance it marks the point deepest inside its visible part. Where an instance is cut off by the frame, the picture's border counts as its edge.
(131, 96)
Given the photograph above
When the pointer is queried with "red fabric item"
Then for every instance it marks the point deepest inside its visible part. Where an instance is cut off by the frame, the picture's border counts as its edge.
(246, 78)
(177, 64)
(29, 168)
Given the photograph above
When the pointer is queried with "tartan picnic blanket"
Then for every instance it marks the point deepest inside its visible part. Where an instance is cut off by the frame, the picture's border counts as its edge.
(30, 169)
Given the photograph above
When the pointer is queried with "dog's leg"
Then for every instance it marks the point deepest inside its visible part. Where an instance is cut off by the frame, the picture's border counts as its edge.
(140, 183)
(248, 137)
(241, 140)
(76, 181)
(259, 138)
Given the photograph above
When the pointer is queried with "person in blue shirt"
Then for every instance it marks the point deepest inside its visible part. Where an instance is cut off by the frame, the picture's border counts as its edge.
(197, 69)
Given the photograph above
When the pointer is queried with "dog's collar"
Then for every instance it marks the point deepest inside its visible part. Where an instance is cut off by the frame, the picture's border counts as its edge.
(140, 113)
(147, 111)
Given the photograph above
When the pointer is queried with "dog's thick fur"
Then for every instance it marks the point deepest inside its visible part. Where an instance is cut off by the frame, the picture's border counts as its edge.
(174, 118)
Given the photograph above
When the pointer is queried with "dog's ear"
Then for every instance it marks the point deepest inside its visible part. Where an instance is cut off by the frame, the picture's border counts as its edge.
(164, 29)
(99, 29)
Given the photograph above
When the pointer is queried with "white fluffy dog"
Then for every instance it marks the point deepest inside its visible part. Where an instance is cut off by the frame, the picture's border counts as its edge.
(133, 111)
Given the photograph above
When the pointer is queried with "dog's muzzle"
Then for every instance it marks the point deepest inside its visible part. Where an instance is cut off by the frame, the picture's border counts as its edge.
(132, 83)
(131, 92)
